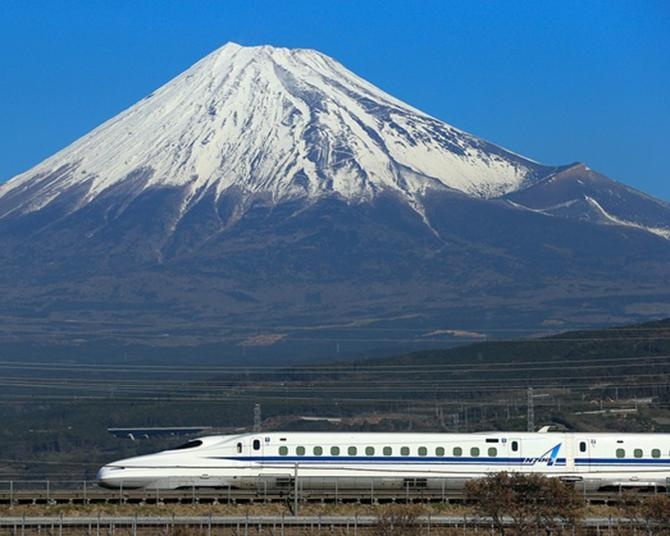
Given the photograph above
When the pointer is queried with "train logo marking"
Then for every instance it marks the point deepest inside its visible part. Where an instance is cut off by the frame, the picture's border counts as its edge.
(548, 457)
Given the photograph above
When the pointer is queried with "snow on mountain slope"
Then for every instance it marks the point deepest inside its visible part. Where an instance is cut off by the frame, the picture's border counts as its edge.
(281, 122)
(660, 231)
(578, 192)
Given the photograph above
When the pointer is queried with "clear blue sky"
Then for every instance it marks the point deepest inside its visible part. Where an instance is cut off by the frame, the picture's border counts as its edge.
(557, 81)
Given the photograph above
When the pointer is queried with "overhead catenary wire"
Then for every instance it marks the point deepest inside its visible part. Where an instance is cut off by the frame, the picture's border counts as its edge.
(279, 397)
(511, 367)
(455, 384)
(313, 369)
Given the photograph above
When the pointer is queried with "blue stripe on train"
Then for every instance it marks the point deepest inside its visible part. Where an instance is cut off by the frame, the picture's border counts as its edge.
(389, 459)
(621, 461)
(443, 460)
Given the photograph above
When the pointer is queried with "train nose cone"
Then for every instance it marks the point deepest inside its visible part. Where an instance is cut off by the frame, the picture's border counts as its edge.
(123, 477)
(107, 479)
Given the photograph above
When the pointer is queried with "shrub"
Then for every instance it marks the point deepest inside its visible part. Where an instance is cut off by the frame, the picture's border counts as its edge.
(526, 503)
(651, 512)
(398, 520)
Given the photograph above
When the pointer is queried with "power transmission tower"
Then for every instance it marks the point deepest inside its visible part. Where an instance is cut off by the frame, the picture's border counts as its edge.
(531, 410)
(257, 418)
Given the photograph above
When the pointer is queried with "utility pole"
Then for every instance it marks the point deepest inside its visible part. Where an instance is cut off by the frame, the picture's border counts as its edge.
(531, 410)
(257, 418)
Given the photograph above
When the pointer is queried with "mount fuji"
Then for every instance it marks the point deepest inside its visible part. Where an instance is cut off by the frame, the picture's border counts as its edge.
(268, 199)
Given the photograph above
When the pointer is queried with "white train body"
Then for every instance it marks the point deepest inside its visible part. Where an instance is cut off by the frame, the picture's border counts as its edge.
(397, 460)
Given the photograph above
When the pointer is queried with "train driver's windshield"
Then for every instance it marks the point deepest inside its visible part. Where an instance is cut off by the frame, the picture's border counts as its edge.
(189, 445)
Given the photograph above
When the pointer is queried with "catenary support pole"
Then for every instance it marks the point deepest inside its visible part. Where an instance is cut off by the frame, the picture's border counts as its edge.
(295, 491)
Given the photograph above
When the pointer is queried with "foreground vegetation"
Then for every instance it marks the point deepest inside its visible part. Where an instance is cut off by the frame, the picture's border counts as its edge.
(502, 504)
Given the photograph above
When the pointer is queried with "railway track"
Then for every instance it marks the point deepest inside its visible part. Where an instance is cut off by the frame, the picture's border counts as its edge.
(96, 495)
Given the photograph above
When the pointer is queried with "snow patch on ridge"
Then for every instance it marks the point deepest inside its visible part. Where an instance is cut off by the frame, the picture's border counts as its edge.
(659, 231)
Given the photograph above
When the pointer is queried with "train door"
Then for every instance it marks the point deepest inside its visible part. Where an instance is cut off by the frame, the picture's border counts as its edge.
(570, 448)
(515, 448)
(241, 451)
(256, 448)
(583, 454)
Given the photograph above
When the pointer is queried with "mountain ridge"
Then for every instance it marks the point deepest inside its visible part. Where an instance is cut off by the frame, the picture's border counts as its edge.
(232, 197)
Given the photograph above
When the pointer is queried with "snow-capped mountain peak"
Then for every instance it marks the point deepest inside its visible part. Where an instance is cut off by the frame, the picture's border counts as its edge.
(266, 188)
(285, 123)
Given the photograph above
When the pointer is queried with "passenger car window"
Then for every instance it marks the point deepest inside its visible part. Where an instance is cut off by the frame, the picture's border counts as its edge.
(620, 453)
(423, 451)
(637, 453)
(458, 451)
(369, 451)
(352, 451)
(300, 451)
(439, 451)
(474, 452)
(334, 451)
(388, 451)
(317, 451)
(655, 453)
(404, 451)
(493, 452)
(283, 451)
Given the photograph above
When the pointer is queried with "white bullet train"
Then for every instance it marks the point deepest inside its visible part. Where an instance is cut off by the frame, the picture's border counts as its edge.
(594, 461)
